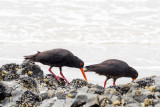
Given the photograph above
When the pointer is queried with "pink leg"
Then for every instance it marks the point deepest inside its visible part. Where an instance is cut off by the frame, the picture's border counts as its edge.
(105, 82)
(57, 77)
(63, 75)
(114, 81)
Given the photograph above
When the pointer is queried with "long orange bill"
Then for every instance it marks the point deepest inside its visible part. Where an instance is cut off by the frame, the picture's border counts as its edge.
(84, 75)
(133, 79)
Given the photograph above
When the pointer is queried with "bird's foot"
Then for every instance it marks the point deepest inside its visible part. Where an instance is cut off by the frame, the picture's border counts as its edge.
(64, 79)
(59, 79)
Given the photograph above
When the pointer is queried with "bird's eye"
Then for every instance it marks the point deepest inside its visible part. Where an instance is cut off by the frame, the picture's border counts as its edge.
(136, 75)
(81, 64)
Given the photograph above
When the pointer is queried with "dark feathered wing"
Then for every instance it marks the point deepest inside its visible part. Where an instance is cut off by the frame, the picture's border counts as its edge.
(107, 69)
(55, 57)
(100, 69)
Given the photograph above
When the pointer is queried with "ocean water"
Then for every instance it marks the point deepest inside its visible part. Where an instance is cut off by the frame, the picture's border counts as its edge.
(94, 30)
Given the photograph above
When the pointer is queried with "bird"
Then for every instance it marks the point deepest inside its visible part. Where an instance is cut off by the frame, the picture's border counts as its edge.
(58, 58)
(113, 68)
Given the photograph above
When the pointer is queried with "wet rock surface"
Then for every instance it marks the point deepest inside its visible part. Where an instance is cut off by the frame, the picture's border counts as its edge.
(25, 85)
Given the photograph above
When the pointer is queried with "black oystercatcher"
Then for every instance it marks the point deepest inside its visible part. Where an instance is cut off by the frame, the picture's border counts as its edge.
(58, 58)
(113, 68)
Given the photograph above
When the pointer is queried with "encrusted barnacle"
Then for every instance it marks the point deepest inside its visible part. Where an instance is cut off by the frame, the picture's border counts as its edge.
(78, 83)
(103, 102)
(10, 67)
(28, 99)
(52, 82)
(145, 82)
(11, 75)
(147, 102)
(122, 89)
(31, 69)
(151, 88)
(2, 74)
(29, 83)
(116, 103)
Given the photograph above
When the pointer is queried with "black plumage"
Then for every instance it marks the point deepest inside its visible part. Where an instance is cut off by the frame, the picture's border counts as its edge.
(113, 68)
(58, 58)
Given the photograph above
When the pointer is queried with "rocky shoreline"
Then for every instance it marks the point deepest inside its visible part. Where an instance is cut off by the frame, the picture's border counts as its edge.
(25, 86)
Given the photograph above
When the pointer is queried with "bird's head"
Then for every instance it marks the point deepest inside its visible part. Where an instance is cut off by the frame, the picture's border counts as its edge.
(78, 63)
(134, 73)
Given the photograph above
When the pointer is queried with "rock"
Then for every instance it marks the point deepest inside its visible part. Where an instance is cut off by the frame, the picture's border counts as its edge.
(72, 94)
(133, 105)
(148, 81)
(11, 75)
(1, 74)
(31, 69)
(103, 101)
(92, 100)
(28, 99)
(28, 87)
(28, 83)
(52, 83)
(147, 102)
(10, 67)
(5, 92)
(140, 95)
(157, 105)
(122, 89)
(78, 83)
(96, 89)
(80, 101)
(51, 102)
(157, 88)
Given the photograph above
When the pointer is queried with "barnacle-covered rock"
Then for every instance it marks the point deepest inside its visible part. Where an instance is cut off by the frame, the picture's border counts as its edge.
(29, 99)
(52, 82)
(151, 88)
(149, 81)
(147, 102)
(28, 83)
(8, 72)
(10, 67)
(122, 89)
(11, 75)
(31, 69)
(96, 89)
(34, 90)
(103, 101)
(5, 91)
(2, 74)
(78, 83)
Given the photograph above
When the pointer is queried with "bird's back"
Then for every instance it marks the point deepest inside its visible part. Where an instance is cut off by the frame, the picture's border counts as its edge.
(110, 67)
(54, 57)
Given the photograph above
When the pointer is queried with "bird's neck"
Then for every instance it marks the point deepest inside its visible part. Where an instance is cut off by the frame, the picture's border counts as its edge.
(72, 62)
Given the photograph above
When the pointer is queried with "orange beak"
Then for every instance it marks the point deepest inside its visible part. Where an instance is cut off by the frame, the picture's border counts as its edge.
(84, 75)
(133, 79)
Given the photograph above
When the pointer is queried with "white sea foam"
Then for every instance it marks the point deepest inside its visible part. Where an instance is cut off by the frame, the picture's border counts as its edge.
(82, 21)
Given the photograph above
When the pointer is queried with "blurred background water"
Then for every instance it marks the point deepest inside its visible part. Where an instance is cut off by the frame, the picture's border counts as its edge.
(94, 30)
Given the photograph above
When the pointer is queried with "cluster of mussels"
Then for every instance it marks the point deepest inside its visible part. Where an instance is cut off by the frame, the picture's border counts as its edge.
(31, 69)
(8, 72)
